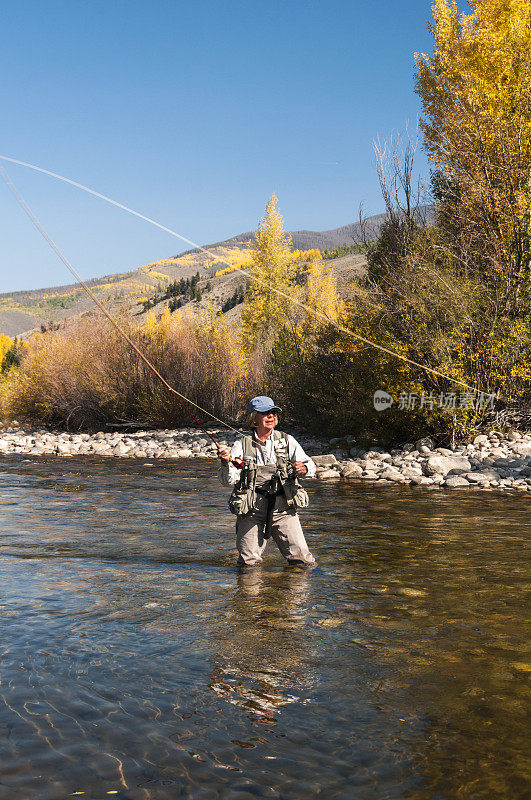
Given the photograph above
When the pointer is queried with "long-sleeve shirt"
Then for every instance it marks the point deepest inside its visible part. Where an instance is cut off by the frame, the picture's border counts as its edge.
(265, 455)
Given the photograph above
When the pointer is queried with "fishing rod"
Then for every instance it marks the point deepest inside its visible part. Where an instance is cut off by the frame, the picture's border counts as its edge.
(304, 306)
(178, 396)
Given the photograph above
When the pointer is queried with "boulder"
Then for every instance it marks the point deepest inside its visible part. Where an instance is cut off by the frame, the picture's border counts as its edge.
(325, 461)
(454, 482)
(352, 470)
(481, 440)
(373, 466)
(427, 443)
(498, 452)
(490, 474)
(356, 452)
(422, 480)
(328, 474)
(522, 449)
(392, 474)
(442, 465)
(63, 449)
(410, 472)
(477, 477)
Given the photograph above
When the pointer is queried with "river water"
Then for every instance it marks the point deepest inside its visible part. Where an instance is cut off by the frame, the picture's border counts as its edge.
(137, 662)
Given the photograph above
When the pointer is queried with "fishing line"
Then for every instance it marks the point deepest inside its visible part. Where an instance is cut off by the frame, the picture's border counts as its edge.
(22, 203)
(307, 308)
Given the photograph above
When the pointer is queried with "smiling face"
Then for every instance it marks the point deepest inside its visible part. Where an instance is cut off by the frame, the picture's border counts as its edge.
(265, 422)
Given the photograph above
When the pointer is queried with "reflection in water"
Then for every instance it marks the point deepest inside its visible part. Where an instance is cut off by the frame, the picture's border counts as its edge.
(260, 661)
(135, 659)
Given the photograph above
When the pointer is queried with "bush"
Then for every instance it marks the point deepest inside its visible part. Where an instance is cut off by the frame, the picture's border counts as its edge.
(328, 384)
(86, 374)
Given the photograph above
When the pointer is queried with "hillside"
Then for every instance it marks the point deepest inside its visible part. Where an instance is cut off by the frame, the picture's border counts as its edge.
(23, 311)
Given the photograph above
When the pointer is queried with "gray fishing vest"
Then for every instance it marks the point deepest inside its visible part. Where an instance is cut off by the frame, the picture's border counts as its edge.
(255, 481)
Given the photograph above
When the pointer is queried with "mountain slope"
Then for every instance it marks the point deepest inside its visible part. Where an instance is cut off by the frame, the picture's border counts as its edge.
(20, 312)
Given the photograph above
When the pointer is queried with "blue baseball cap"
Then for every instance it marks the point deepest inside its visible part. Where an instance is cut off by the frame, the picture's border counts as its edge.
(262, 404)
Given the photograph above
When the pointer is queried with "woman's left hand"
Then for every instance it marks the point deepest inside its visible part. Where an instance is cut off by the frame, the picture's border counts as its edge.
(300, 468)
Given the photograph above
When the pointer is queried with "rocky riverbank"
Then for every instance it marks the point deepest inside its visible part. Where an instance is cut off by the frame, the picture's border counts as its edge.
(489, 461)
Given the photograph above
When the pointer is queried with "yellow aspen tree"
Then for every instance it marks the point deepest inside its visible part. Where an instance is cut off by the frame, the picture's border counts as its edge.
(476, 95)
(5, 345)
(321, 296)
(272, 267)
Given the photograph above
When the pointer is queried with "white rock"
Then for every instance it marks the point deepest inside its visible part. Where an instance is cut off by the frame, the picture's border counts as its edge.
(445, 464)
(476, 477)
(412, 471)
(392, 474)
(522, 449)
(352, 471)
(325, 460)
(369, 474)
(328, 474)
(372, 465)
(454, 482)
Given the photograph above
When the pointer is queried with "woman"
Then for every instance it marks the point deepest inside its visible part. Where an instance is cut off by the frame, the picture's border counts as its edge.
(267, 492)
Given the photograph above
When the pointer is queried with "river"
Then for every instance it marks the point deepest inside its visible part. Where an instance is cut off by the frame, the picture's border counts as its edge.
(137, 662)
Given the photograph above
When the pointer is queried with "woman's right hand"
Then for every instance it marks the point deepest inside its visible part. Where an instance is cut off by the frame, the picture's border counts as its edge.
(223, 453)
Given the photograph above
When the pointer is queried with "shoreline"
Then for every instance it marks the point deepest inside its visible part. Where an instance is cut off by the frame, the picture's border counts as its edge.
(491, 461)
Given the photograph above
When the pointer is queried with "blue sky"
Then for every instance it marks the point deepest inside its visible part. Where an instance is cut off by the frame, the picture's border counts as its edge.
(194, 113)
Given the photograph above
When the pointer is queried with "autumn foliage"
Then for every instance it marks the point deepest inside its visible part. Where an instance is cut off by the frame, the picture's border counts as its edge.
(476, 93)
(86, 375)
